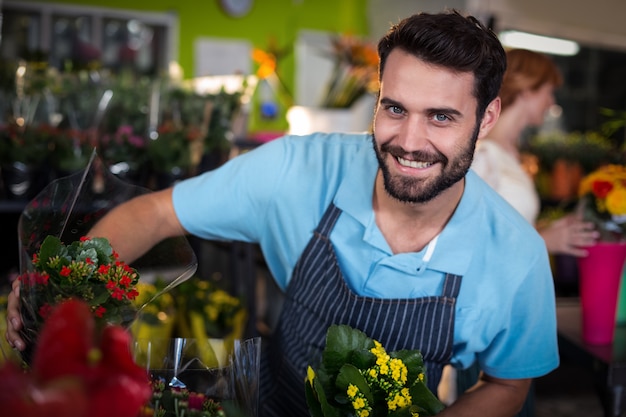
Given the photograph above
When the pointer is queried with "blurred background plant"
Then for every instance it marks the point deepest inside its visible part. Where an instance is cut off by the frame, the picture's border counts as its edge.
(355, 71)
(197, 308)
(141, 126)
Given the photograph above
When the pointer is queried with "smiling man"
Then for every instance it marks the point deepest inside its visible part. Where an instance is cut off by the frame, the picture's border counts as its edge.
(397, 239)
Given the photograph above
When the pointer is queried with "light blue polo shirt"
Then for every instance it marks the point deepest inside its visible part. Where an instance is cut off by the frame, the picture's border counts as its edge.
(276, 195)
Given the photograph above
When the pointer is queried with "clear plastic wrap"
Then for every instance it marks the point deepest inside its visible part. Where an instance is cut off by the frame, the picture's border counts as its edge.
(189, 375)
(67, 209)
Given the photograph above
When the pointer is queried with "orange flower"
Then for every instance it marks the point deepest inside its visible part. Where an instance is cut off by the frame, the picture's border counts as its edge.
(266, 61)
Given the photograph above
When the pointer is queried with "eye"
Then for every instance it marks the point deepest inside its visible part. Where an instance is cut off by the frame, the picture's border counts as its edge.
(394, 109)
(441, 117)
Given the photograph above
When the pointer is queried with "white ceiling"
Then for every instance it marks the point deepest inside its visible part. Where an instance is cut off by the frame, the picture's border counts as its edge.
(594, 23)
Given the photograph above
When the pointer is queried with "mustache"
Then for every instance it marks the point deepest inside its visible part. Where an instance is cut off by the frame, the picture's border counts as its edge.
(398, 152)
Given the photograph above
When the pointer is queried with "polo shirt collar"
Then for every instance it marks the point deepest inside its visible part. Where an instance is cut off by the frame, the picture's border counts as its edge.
(455, 245)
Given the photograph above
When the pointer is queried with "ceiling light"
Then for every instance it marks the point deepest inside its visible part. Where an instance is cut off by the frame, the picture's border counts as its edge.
(545, 44)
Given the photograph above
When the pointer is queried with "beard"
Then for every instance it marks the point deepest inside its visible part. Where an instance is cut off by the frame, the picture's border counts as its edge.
(420, 190)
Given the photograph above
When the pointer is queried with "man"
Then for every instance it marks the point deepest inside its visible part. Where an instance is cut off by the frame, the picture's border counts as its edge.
(397, 239)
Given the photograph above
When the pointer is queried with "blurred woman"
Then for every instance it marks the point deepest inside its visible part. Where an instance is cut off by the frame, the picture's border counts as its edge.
(527, 93)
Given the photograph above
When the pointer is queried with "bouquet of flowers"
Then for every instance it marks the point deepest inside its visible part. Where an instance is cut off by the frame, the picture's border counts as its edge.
(87, 269)
(57, 262)
(357, 377)
(603, 201)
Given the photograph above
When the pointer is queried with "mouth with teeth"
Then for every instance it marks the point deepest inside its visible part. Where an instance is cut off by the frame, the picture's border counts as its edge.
(413, 164)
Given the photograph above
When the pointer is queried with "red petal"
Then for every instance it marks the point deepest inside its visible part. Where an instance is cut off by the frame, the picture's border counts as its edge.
(129, 394)
(65, 342)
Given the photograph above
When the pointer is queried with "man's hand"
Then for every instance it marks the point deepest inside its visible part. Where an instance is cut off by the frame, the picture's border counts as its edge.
(14, 322)
(490, 397)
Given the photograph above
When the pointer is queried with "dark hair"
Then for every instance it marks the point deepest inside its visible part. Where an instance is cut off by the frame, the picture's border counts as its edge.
(451, 40)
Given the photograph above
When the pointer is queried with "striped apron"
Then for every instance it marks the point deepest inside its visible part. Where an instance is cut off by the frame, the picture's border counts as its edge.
(318, 297)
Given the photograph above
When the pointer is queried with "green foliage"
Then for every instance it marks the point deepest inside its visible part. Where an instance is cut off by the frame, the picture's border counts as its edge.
(590, 149)
(352, 367)
(27, 144)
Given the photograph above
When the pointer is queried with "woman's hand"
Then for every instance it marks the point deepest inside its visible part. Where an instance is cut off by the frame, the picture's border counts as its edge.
(569, 235)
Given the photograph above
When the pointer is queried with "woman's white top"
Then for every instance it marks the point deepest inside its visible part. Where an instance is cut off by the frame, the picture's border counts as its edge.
(505, 174)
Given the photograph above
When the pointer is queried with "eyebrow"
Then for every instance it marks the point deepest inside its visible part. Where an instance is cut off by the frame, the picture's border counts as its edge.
(447, 110)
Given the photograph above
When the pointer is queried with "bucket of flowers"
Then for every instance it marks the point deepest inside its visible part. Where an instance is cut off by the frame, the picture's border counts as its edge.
(358, 377)
(602, 202)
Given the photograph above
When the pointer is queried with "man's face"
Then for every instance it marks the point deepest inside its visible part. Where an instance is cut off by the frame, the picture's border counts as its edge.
(425, 127)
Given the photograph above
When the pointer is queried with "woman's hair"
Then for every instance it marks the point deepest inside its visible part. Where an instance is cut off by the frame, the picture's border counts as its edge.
(453, 41)
(527, 71)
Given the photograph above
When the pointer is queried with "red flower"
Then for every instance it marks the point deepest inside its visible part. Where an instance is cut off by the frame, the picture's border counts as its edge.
(34, 278)
(76, 372)
(118, 293)
(601, 188)
(99, 311)
(125, 281)
(65, 271)
(195, 401)
(132, 294)
(45, 310)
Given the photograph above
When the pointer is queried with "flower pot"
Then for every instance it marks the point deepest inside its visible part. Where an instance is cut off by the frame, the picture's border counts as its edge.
(600, 273)
(566, 176)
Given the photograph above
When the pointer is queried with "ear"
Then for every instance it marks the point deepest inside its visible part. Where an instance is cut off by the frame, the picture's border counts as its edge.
(492, 113)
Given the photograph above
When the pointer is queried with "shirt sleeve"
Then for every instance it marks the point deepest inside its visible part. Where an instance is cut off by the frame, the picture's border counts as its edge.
(526, 345)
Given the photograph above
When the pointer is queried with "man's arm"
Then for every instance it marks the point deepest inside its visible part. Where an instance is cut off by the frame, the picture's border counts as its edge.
(490, 397)
(132, 228)
(135, 227)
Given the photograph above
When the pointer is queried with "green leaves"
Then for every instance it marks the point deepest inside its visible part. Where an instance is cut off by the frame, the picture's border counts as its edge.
(350, 375)
(425, 401)
(356, 375)
(341, 343)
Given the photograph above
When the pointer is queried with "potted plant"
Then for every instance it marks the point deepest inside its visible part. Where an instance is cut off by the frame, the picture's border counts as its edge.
(23, 151)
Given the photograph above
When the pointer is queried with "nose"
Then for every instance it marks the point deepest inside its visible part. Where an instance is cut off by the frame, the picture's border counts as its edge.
(413, 134)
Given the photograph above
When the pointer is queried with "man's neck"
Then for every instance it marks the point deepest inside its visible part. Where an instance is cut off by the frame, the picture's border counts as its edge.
(408, 227)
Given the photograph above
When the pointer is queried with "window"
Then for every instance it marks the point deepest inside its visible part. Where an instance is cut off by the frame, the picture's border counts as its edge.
(79, 36)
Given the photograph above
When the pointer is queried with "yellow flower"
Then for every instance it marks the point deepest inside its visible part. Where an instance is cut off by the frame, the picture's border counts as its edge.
(398, 370)
(358, 403)
(310, 375)
(616, 201)
(352, 389)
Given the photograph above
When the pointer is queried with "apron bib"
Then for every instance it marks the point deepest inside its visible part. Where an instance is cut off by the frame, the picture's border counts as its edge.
(318, 297)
